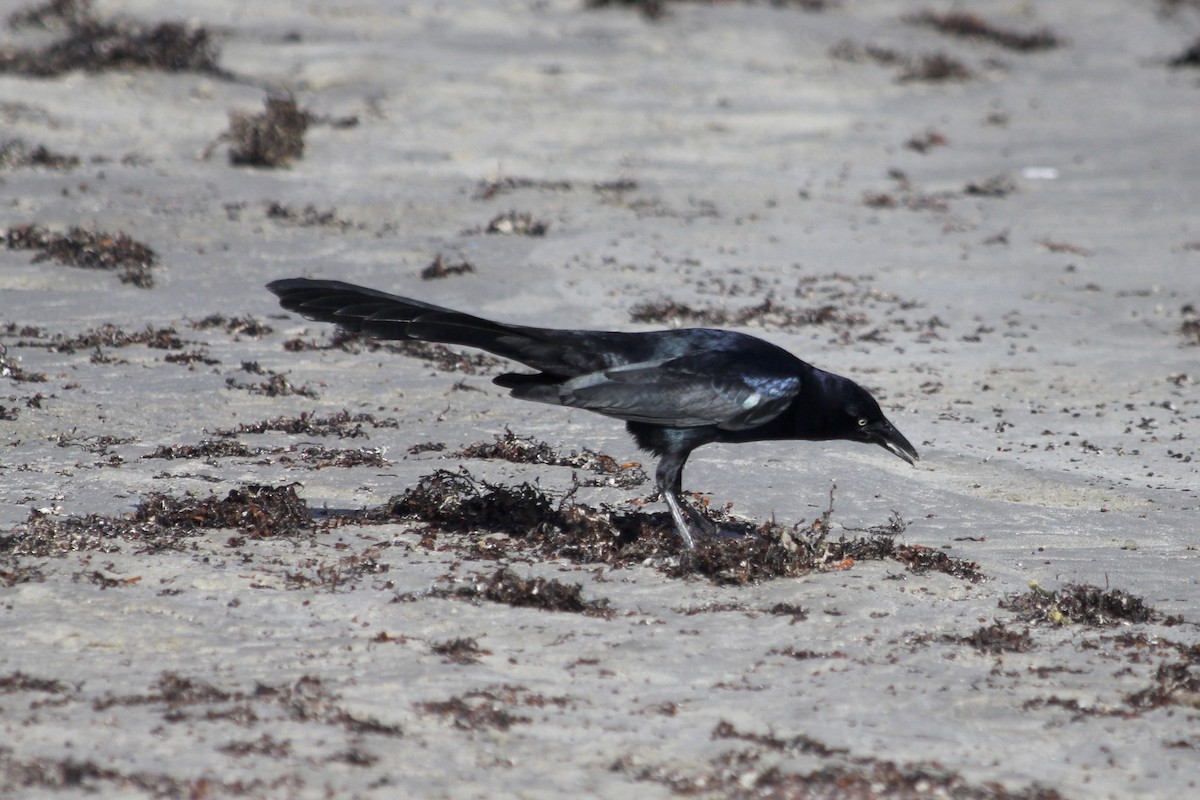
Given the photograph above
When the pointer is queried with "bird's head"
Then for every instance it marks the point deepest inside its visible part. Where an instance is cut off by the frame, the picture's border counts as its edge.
(851, 413)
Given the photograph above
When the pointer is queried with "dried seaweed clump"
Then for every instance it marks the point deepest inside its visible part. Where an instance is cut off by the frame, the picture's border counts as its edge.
(161, 521)
(935, 68)
(995, 639)
(273, 138)
(275, 385)
(1176, 683)
(742, 774)
(516, 223)
(930, 67)
(342, 424)
(490, 188)
(527, 450)
(972, 26)
(1081, 604)
(650, 9)
(768, 314)
(209, 448)
(1190, 57)
(256, 509)
(462, 650)
(507, 587)
(51, 15)
(458, 502)
(441, 268)
(994, 186)
(234, 326)
(109, 335)
(320, 457)
(87, 249)
(95, 45)
(11, 368)
(1190, 327)
(17, 154)
(309, 217)
(45, 535)
(561, 528)
(480, 709)
(653, 10)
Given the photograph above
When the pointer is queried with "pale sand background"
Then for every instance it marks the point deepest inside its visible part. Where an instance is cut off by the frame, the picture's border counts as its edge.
(1056, 428)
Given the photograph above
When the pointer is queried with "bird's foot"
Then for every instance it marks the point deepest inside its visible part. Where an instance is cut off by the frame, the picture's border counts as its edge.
(710, 528)
(700, 522)
(692, 523)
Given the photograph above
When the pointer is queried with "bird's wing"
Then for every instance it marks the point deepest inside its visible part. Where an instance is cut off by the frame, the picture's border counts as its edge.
(715, 388)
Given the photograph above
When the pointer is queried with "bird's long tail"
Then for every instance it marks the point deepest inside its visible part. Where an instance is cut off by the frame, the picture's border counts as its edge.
(389, 316)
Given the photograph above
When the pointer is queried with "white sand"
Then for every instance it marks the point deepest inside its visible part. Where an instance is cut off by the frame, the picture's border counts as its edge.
(1057, 436)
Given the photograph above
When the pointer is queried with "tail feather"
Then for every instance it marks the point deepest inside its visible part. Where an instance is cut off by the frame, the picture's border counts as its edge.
(387, 316)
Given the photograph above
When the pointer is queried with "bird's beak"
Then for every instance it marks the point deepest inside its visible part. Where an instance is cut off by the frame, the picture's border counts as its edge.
(884, 434)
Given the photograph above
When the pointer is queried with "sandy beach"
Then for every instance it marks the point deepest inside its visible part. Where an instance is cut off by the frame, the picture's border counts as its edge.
(244, 556)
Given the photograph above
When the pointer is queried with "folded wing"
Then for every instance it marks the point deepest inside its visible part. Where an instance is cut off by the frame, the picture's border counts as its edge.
(689, 391)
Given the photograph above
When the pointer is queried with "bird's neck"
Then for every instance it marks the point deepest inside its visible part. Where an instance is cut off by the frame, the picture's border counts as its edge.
(809, 414)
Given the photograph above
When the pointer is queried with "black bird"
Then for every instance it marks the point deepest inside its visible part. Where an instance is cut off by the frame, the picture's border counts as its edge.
(675, 389)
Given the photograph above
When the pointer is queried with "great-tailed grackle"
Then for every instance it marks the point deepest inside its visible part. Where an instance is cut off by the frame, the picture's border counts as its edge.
(675, 389)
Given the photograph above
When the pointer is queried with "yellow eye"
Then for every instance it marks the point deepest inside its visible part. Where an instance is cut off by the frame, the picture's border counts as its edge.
(862, 422)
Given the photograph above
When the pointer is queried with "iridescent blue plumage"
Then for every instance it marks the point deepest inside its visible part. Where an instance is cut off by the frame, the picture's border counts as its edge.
(676, 389)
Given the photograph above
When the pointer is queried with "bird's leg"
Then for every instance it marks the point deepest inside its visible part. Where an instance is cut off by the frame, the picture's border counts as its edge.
(669, 477)
(680, 523)
(706, 525)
